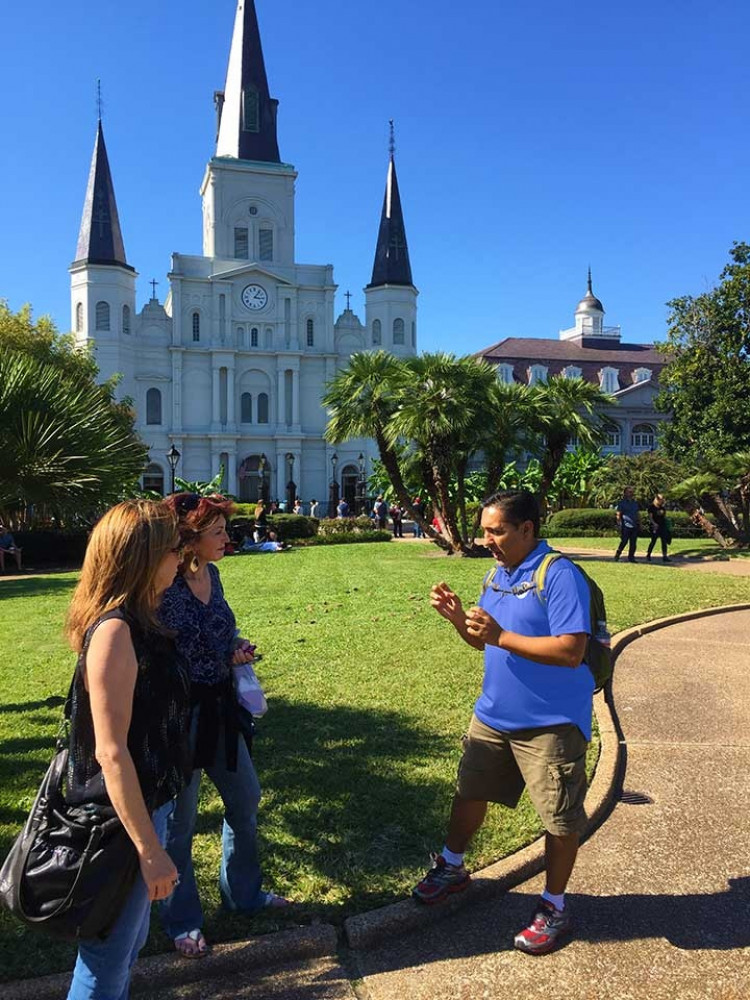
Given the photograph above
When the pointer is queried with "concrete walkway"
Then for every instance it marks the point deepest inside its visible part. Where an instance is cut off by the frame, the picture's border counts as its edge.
(661, 892)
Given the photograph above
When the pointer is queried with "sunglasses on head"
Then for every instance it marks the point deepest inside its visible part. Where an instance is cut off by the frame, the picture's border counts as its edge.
(186, 502)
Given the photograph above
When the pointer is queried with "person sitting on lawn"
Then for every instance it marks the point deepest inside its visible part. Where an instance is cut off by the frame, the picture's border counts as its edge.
(8, 547)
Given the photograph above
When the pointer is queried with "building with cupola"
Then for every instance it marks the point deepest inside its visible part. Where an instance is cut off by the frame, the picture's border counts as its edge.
(230, 368)
(595, 352)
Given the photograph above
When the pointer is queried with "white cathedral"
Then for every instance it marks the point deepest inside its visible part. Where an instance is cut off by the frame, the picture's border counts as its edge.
(230, 370)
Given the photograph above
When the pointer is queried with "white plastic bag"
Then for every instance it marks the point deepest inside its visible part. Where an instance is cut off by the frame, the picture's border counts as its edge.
(249, 692)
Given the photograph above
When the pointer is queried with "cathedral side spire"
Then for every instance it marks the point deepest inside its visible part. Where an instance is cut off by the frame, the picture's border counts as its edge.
(391, 265)
(247, 127)
(100, 236)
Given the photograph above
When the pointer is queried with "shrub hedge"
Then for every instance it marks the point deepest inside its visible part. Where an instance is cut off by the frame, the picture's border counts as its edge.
(50, 548)
(345, 538)
(286, 526)
(344, 525)
(575, 522)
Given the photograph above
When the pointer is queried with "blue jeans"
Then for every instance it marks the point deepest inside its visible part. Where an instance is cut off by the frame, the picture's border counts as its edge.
(102, 970)
(240, 878)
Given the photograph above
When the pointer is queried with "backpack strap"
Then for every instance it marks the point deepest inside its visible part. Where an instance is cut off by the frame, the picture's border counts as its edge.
(489, 576)
(539, 576)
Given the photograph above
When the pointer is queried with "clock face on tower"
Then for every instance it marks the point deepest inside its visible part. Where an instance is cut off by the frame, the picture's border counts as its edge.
(254, 297)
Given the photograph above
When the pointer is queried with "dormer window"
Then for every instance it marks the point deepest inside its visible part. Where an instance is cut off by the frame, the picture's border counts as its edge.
(572, 371)
(505, 373)
(642, 375)
(537, 374)
(250, 110)
(609, 380)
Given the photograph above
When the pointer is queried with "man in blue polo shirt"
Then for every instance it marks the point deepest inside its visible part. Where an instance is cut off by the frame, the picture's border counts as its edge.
(532, 721)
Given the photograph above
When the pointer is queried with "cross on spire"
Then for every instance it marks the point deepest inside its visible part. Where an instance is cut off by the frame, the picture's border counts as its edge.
(348, 298)
(153, 284)
(99, 99)
(392, 140)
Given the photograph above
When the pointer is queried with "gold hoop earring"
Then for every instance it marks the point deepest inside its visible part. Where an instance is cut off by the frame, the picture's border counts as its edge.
(194, 565)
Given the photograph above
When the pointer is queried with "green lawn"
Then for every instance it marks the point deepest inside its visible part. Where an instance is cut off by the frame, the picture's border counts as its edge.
(688, 547)
(369, 691)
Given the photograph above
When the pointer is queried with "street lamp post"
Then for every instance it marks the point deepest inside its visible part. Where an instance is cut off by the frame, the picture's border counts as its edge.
(173, 457)
(291, 486)
(333, 496)
(362, 485)
(261, 477)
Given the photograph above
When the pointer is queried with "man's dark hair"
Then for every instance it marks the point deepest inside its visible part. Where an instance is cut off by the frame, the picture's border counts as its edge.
(516, 506)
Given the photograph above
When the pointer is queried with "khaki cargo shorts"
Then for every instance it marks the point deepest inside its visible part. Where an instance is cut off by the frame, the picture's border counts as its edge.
(551, 763)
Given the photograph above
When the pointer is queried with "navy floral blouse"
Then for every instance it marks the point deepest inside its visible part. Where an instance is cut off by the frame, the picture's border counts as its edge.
(205, 632)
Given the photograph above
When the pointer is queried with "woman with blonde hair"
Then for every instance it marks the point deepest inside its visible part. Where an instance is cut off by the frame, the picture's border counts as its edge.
(659, 527)
(129, 715)
(195, 608)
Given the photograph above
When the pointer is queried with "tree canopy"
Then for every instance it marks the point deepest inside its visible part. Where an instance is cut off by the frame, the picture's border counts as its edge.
(706, 383)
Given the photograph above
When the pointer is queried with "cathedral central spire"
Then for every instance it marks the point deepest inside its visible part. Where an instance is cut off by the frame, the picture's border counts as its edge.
(247, 128)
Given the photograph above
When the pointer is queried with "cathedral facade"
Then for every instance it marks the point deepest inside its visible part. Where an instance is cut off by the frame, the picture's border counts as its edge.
(230, 369)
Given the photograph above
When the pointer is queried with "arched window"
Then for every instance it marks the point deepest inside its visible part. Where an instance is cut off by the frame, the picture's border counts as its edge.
(310, 333)
(196, 326)
(571, 371)
(377, 332)
(153, 478)
(609, 380)
(79, 317)
(537, 374)
(398, 331)
(505, 373)
(642, 375)
(126, 319)
(246, 408)
(254, 337)
(262, 407)
(413, 334)
(265, 244)
(613, 438)
(153, 406)
(102, 315)
(643, 437)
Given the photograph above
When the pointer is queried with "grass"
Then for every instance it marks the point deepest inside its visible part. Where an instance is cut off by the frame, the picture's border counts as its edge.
(688, 547)
(369, 693)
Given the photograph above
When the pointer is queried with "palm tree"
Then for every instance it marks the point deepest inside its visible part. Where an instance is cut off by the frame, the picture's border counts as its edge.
(67, 447)
(361, 400)
(564, 410)
(444, 402)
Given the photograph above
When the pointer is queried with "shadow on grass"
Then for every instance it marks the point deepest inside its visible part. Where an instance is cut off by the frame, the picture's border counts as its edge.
(54, 701)
(35, 586)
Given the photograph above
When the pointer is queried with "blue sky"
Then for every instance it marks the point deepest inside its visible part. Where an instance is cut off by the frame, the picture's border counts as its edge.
(533, 139)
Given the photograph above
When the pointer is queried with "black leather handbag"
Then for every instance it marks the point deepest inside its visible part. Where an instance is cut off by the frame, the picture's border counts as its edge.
(73, 865)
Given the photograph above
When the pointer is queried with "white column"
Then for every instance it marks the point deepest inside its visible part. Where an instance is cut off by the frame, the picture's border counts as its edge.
(231, 399)
(295, 397)
(281, 407)
(176, 391)
(216, 398)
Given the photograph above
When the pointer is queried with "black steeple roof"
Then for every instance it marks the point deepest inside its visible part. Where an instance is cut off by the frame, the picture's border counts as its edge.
(391, 265)
(100, 237)
(247, 129)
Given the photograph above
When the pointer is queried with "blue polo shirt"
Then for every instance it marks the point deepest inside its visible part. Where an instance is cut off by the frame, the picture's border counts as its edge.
(518, 693)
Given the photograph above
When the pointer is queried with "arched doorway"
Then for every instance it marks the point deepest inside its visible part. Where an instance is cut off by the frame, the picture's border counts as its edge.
(254, 477)
(349, 485)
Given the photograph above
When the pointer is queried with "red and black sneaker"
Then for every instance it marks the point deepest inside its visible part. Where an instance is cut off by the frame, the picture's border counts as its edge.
(544, 931)
(440, 881)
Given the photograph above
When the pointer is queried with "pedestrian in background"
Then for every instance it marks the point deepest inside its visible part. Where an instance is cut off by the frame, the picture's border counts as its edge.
(658, 524)
(628, 521)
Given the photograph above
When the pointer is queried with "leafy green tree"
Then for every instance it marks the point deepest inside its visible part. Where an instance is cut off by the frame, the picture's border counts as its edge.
(573, 480)
(41, 340)
(67, 447)
(649, 473)
(203, 489)
(706, 383)
(564, 410)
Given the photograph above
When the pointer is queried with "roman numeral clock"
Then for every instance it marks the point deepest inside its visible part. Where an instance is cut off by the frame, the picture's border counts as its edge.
(254, 297)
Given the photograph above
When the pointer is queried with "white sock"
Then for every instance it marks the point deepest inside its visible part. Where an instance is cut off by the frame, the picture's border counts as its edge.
(557, 901)
(451, 858)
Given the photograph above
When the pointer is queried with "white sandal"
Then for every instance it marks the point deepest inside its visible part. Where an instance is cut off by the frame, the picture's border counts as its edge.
(198, 947)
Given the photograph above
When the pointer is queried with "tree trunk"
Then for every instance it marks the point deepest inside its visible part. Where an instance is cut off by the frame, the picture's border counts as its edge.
(389, 458)
(698, 518)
